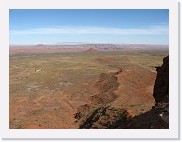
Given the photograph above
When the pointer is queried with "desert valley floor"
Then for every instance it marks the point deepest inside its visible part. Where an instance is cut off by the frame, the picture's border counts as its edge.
(56, 90)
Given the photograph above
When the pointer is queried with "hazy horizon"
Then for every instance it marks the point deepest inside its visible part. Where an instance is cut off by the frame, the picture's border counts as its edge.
(93, 26)
(84, 43)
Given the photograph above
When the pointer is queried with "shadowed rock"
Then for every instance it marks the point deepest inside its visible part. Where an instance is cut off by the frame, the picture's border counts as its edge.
(158, 116)
(161, 87)
(103, 118)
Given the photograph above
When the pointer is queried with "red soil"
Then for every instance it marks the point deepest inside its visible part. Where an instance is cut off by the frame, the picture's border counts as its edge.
(135, 92)
(130, 89)
(42, 49)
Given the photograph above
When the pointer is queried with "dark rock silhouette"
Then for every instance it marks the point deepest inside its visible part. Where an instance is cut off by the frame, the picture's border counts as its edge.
(161, 87)
(156, 118)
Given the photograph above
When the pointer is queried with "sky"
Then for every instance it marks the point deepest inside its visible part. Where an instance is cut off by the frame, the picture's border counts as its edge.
(114, 26)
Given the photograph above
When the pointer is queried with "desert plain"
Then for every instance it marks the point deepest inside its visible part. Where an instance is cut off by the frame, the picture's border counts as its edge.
(56, 87)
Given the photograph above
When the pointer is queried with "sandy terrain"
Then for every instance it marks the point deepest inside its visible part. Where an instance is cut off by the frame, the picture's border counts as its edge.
(52, 90)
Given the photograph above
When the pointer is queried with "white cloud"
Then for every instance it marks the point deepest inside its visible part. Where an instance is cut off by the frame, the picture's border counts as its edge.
(153, 30)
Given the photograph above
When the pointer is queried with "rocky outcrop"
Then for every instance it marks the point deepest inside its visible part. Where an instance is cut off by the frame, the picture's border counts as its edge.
(158, 116)
(106, 85)
(161, 87)
(105, 116)
(99, 114)
(92, 50)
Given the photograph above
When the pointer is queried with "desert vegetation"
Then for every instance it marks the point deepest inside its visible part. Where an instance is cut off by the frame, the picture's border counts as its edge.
(82, 86)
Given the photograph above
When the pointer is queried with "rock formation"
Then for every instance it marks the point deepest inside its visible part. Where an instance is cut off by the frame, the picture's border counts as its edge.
(158, 116)
(91, 50)
(99, 114)
(105, 116)
(161, 87)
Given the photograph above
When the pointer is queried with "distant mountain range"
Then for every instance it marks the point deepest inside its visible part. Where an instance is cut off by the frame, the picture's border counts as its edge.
(92, 44)
(71, 43)
(41, 48)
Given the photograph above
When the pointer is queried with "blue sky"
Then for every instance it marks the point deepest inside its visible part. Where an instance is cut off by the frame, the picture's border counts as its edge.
(90, 26)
